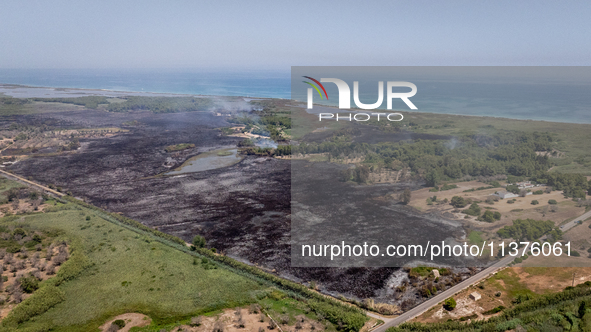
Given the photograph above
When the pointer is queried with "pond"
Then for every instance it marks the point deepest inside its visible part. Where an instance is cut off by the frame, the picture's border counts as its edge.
(208, 160)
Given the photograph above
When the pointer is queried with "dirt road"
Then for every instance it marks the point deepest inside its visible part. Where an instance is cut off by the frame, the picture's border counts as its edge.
(30, 183)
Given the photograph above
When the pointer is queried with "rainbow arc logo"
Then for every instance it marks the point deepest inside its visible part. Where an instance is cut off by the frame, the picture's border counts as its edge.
(315, 87)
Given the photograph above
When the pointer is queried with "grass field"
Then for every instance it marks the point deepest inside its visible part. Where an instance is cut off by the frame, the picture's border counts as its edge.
(132, 273)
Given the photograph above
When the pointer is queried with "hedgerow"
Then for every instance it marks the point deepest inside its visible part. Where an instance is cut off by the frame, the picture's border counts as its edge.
(41, 301)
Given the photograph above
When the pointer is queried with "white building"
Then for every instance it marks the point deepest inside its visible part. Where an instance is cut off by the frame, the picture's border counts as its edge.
(475, 296)
(505, 194)
(435, 273)
(524, 185)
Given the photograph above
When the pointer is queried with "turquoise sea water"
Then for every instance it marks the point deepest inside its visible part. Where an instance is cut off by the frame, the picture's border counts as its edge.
(527, 95)
(270, 84)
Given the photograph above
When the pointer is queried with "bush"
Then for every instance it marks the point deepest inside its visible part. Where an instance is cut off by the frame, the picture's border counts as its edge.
(552, 201)
(487, 216)
(448, 187)
(458, 202)
(535, 202)
(199, 241)
(538, 192)
(352, 321)
(494, 310)
(29, 284)
(473, 210)
(120, 323)
(449, 304)
(19, 231)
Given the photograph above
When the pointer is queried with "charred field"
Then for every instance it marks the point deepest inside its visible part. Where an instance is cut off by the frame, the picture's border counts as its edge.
(243, 210)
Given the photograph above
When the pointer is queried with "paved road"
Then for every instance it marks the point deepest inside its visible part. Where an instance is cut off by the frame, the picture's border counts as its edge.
(575, 221)
(444, 295)
(390, 322)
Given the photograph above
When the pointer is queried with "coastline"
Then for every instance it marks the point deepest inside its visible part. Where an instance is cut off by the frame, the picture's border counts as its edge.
(69, 92)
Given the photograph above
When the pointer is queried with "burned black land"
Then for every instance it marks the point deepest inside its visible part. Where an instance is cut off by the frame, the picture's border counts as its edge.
(243, 210)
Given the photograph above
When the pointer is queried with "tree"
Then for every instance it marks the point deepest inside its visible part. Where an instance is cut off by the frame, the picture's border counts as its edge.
(405, 196)
(458, 202)
(29, 284)
(449, 304)
(535, 202)
(513, 189)
(497, 215)
(199, 241)
(487, 216)
(432, 178)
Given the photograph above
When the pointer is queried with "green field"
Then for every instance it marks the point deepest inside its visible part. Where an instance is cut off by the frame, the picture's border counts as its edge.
(131, 273)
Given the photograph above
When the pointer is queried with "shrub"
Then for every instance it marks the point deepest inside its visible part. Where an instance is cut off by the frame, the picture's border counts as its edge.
(487, 216)
(449, 304)
(538, 192)
(473, 210)
(448, 187)
(199, 241)
(552, 201)
(29, 284)
(120, 323)
(535, 202)
(458, 202)
(494, 310)
(19, 231)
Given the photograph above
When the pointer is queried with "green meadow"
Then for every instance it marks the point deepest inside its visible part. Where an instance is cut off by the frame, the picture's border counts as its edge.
(124, 271)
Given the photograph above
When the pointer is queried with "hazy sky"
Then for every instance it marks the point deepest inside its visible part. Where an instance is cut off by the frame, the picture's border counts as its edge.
(279, 34)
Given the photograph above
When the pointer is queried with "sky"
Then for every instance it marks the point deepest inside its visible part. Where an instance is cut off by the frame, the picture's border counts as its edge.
(281, 34)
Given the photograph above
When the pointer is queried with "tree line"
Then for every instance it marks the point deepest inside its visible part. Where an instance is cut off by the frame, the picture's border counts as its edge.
(437, 160)
(161, 104)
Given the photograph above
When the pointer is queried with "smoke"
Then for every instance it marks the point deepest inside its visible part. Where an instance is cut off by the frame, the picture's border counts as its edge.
(230, 105)
(265, 143)
(452, 143)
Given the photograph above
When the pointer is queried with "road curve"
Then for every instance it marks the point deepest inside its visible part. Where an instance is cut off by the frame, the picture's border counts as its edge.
(444, 295)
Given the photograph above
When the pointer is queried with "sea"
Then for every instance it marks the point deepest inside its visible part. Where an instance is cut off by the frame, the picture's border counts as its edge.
(534, 93)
